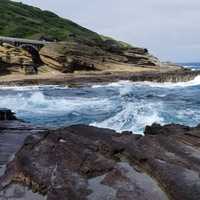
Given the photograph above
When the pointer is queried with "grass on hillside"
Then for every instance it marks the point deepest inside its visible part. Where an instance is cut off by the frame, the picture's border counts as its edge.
(23, 21)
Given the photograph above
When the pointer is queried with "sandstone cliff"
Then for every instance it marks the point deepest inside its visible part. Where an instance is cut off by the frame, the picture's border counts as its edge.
(68, 57)
(15, 60)
(72, 56)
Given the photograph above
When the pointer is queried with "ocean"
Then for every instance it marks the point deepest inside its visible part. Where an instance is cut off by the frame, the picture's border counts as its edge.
(122, 106)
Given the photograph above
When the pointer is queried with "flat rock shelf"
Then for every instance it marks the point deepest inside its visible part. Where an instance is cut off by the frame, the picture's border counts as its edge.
(12, 135)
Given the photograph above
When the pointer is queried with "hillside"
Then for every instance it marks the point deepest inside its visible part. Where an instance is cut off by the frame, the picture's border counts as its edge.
(23, 21)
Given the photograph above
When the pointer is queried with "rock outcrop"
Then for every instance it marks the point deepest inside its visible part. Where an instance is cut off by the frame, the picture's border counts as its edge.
(172, 76)
(73, 56)
(6, 114)
(15, 60)
(62, 58)
(83, 162)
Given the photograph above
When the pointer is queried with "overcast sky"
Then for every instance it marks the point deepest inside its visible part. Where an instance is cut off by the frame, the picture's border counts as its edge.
(170, 29)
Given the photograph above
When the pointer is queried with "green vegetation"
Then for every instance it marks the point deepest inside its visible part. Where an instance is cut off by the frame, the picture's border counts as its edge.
(119, 43)
(23, 21)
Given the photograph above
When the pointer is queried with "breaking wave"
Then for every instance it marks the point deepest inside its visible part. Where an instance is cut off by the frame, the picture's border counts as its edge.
(194, 82)
(123, 106)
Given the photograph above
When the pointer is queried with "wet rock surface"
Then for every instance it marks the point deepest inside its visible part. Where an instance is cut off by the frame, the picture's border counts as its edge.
(168, 76)
(6, 114)
(12, 135)
(83, 162)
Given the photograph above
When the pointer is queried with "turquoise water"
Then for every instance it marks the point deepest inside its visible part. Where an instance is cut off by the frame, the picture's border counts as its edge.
(120, 106)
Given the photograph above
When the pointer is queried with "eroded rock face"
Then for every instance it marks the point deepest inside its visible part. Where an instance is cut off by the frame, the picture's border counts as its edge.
(72, 56)
(12, 55)
(15, 60)
(82, 162)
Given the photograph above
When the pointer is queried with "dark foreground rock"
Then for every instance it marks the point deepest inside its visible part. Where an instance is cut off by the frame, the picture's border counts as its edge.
(82, 162)
(12, 135)
(6, 114)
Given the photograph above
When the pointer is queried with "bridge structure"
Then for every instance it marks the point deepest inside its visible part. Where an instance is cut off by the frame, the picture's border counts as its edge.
(23, 43)
(31, 46)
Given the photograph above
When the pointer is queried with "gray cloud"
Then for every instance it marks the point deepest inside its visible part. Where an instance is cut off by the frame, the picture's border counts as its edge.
(170, 29)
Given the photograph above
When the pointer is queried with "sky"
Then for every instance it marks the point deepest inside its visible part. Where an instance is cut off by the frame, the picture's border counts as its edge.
(170, 29)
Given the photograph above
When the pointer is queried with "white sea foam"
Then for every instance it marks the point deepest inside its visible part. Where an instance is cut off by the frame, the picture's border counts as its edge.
(32, 88)
(194, 82)
(193, 67)
(38, 103)
(114, 84)
(190, 67)
(133, 117)
(125, 90)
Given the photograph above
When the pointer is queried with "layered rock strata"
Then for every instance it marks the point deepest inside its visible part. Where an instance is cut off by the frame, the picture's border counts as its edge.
(15, 60)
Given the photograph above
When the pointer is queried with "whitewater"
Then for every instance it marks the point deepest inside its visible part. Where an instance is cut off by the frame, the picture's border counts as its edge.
(122, 106)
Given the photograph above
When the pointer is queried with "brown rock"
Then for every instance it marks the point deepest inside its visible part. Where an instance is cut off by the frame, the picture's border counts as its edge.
(15, 60)
(64, 56)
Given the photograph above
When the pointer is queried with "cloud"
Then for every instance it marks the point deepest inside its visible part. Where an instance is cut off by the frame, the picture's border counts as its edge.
(170, 29)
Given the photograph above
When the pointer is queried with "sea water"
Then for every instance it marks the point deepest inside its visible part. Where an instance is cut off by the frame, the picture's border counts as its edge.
(121, 106)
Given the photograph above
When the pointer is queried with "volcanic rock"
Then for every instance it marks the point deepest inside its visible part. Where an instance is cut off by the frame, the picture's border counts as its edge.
(83, 162)
(6, 114)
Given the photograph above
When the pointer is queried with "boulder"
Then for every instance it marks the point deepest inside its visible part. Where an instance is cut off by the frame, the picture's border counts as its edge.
(6, 114)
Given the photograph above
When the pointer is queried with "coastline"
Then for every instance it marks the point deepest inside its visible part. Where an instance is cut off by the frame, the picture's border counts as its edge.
(87, 78)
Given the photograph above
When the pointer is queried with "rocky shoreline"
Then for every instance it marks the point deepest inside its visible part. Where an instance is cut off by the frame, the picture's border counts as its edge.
(85, 162)
(96, 78)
